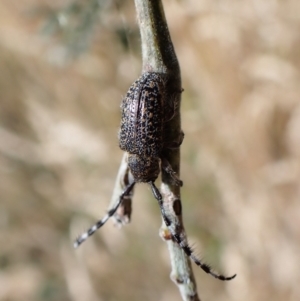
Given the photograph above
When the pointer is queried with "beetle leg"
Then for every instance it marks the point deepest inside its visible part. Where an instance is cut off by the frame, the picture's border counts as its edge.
(166, 166)
(83, 237)
(175, 144)
(180, 238)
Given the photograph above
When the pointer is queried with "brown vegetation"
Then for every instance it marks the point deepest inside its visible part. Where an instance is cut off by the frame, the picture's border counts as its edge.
(59, 154)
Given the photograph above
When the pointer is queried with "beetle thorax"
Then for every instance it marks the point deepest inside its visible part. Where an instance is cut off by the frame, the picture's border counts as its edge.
(143, 169)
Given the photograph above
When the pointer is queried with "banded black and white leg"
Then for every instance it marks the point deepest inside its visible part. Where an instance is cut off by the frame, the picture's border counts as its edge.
(180, 238)
(83, 237)
(126, 193)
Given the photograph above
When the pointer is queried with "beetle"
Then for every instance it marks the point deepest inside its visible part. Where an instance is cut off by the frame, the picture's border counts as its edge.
(142, 135)
(145, 111)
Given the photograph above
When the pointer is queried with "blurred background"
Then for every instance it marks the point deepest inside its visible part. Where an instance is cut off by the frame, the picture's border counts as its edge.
(65, 66)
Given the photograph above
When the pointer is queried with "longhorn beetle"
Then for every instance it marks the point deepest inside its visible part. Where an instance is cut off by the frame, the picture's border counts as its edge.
(145, 111)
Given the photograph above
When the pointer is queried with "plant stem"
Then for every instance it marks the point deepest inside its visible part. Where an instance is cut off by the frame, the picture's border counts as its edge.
(159, 56)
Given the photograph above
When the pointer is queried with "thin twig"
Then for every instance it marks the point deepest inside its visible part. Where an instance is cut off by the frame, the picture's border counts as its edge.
(159, 56)
(124, 178)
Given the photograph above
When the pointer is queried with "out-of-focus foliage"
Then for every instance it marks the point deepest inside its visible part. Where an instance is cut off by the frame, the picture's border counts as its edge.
(75, 24)
(59, 116)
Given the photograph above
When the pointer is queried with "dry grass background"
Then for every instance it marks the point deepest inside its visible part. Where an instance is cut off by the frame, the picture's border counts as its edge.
(240, 158)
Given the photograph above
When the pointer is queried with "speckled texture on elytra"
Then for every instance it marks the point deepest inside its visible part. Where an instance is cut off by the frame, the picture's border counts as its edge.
(142, 124)
(142, 116)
